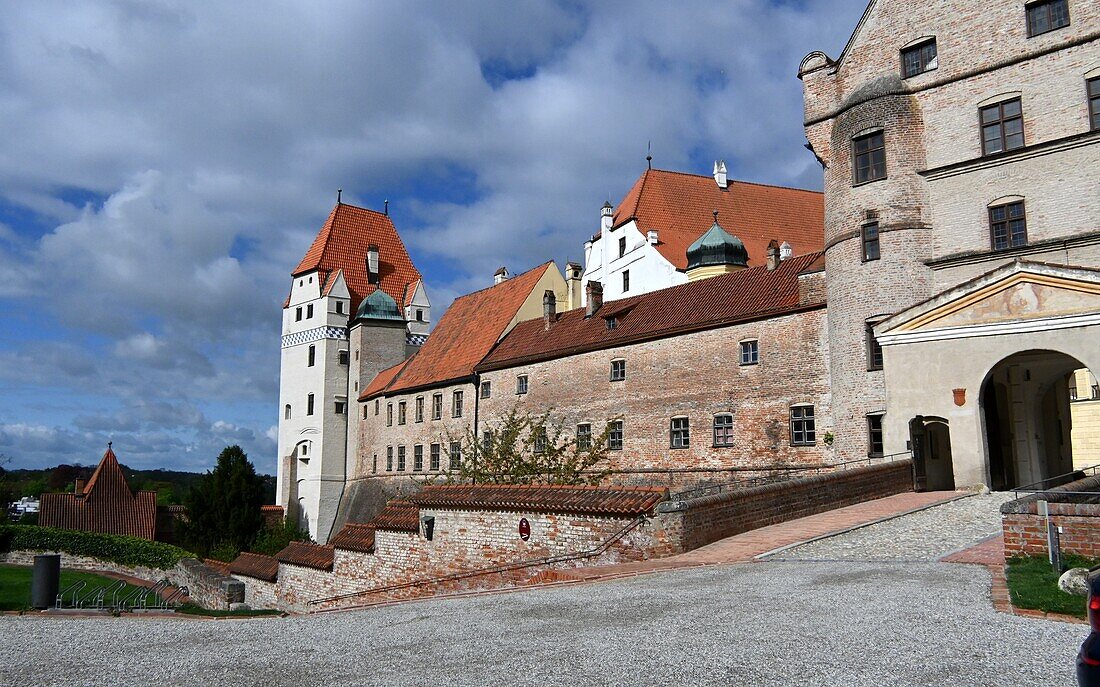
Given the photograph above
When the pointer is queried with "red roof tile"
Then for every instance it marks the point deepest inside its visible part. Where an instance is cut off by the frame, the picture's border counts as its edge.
(397, 516)
(220, 566)
(542, 498)
(355, 537)
(466, 332)
(307, 554)
(105, 505)
(342, 245)
(382, 380)
(743, 295)
(680, 208)
(256, 565)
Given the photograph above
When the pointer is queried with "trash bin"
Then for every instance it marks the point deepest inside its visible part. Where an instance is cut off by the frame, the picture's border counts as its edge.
(45, 580)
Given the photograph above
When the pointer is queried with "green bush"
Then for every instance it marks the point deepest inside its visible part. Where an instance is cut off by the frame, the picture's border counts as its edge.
(272, 540)
(129, 551)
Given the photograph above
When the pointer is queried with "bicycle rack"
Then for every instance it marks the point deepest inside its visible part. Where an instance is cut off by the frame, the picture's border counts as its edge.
(74, 589)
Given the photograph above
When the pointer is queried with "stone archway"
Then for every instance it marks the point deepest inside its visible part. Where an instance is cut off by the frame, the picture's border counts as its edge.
(1025, 407)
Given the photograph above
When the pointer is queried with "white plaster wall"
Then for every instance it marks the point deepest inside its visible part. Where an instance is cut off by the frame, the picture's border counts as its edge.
(649, 270)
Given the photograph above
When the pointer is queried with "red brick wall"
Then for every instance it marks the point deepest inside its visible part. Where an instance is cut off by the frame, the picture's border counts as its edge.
(1026, 533)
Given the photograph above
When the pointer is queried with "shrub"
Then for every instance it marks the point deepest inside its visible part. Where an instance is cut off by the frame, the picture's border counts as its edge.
(274, 539)
(129, 551)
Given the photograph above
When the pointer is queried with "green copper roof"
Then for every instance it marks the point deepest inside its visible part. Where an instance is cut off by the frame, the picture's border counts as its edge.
(379, 306)
(717, 247)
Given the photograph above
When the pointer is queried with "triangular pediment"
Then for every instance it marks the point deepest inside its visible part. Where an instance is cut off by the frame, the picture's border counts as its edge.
(1017, 292)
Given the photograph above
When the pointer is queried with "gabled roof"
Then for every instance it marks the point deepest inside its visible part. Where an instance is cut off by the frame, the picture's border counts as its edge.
(308, 555)
(463, 336)
(382, 380)
(744, 295)
(680, 208)
(542, 498)
(105, 505)
(255, 565)
(342, 245)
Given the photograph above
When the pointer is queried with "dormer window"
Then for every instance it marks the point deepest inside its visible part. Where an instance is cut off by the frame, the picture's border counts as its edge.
(919, 58)
(612, 322)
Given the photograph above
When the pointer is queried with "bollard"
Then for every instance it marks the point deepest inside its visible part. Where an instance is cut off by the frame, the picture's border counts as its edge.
(45, 580)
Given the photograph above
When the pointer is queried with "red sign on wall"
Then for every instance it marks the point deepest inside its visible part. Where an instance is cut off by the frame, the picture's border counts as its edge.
(524, 529)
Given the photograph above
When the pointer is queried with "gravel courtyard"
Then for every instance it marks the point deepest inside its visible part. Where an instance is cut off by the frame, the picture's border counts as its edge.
(772, 623)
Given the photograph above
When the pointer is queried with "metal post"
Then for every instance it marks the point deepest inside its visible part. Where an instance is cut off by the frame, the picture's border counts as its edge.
(1054, 549)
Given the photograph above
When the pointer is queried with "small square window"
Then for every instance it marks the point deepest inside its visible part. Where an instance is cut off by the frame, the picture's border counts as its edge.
(1047, 15)
(918, 59)
(343, 357)
(869, 236)
(1008, 226)
(521, 384)
(874, 436)
(1002, 127)
(615, 435)
(723, 430)
(584, 436)
(869, 157)
(680, 433)
(486, 389)
(611, 322)
(750, 352)
(618, 370)
(803, 428)
(339, 407)
(339, 307)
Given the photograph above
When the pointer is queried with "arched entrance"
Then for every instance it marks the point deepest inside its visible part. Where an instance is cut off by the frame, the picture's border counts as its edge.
(930, 439)
(1025, 405)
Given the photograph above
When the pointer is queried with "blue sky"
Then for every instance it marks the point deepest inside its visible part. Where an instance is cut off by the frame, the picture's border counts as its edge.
(164, 164)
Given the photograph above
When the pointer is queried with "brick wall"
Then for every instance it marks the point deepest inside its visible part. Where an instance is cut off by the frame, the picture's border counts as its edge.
(259, 593)
(1025, 531)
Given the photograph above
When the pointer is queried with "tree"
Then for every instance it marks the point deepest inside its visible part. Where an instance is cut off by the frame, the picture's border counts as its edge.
(223, 508)
(272, 540)
(526, 449)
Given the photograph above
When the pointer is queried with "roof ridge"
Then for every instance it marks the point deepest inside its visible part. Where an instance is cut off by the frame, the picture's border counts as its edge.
(521, 275)
(737, 181)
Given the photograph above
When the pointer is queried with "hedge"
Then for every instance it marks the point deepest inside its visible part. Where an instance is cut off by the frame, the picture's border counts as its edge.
(129, 551)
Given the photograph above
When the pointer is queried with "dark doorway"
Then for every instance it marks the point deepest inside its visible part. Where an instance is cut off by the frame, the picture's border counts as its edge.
(930, 441)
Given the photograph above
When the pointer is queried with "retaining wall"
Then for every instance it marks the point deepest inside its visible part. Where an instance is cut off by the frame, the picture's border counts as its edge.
(1025, 531)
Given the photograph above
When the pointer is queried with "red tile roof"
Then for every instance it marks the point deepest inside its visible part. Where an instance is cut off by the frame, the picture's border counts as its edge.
(465, 333)
(747, 294)
(214, 564)
(106, 505)
(256, 565)
(342, 245)
(355, 537)
(543, 498)
(308, 555)
(397, 516)
(382, 380)
(680, 208)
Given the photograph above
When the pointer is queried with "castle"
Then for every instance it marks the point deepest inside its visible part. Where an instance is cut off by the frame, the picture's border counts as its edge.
(940, 299)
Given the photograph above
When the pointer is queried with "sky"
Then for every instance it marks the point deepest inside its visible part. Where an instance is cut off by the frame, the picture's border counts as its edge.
(164, 164)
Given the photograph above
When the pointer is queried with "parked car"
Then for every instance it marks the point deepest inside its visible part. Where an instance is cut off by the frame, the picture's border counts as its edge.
(1088, 658)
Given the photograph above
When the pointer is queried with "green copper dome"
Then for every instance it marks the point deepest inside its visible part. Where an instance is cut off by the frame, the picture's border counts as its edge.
(379, 306)
(717, 247)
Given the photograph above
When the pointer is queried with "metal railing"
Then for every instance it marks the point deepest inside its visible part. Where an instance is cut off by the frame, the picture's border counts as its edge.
(1052, 485)
(119, 595)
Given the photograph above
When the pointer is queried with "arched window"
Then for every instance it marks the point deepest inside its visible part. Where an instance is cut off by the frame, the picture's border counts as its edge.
(286, 412)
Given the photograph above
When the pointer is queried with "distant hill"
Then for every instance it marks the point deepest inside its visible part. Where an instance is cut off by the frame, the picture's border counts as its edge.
(171, 485)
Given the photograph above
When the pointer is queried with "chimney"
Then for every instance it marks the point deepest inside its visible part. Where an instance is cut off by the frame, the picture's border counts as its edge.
(372, 264)
(594, 295)
(573, 273)
(785, 251)
(501, 275)
(651, 236)
(720, 173)
(606, 217)
(773, 254)
(79, 486)
(549, 308)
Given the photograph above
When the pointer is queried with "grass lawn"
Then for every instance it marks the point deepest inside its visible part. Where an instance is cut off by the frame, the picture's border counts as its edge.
(1032, 583)
(15, 585)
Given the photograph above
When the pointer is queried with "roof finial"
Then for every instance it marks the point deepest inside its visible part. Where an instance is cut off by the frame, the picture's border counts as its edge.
(109, 445)
(339, 192)
(386, 207)
(649, 154)
(716, 217)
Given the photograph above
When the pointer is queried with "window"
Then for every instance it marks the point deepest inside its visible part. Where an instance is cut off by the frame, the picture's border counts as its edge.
(339, 307)
(486, 389)
(339, 407)
(437, 406)
(486, 441)
(874, 349)
(869, 234)
(286, 412)
(874, 436)
(374, 465)
(1002, 126)
(521, 384)
(626, 280)
(303, 451)
(584, 436)
(343, 358)
(1007, 225)
(622, 246)
(1047, 15)
(869, 157)
(298, 314)
(615, 435)
(456, 404)
(1093, 87)
(309, 311)
(750, 352)
(419, 315)
(803, 430)
(433, 457)
(389, 415)
(540, 440)
(365, 412)
(456, 455)
(419, 409)
(376, 404)
(312, 356)
(918, 59)
(418, 458)
(679, 432)
(401, 412)
(400, 458)
(618, 370)
(309, 404)
(611, 322)
(723, 430)
(389, 459)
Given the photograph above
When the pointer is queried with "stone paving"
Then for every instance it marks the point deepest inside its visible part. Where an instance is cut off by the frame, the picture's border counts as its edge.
(928, 535)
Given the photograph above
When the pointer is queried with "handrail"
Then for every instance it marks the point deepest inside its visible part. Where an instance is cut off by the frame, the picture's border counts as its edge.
(477, 572)
(1030, 488)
